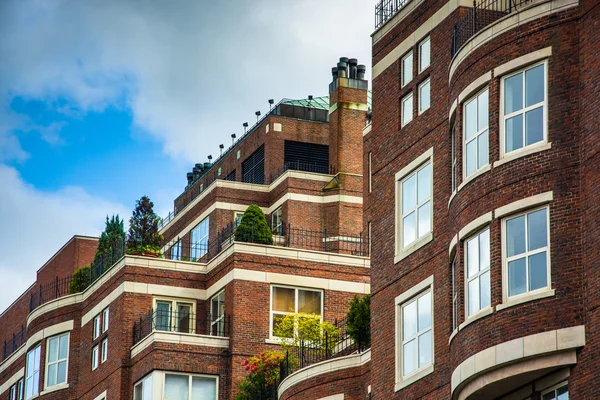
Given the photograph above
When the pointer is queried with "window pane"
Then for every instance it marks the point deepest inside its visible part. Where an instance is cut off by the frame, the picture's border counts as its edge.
(471, 119)
(425, 349)
(424, 57)
(283, 299)
(484, 289)
(147, 395)
(534, 126)
(482, 114)
(409, 229)
(534, 85)
(484, 250)
(471, 157)
(51, 380)
(563, 393)
(407, 110)
(204, 388)
(409, 355)
(515, 236)
(550, 396)
(514, 133)
(407, 69)
(473, 296)
(409, 194)
(424, 96)
(537, 229)
(64, 347)
(424, 309)
(309, 302)
(176, 387)
(482, 149)
(53, 349)
(472, 257)
(62, 372)
(163, 316)
(537, 271)
(424, 218)
(424, 183)
(513, 93)
(409, 320)
(517, 276)
(183, 318)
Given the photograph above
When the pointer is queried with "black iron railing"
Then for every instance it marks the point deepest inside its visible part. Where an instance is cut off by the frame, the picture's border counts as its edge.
(50, 291)
(386, 9)
(180, 322)
(482, 14)
(105, 262)
(16, 340)
(315, 167)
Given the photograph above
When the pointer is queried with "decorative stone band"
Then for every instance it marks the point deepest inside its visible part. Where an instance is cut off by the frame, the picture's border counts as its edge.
(324, 367)
(547, 350)
(12, 380)
(179, 338)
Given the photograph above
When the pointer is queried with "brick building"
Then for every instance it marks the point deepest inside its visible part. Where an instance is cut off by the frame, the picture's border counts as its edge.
(179, 327)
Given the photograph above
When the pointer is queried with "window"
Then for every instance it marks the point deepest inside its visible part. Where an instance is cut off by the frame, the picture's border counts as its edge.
(192, 387)
(424, 95)
(524, 108)
(416, 204)
(477, 255)
(417, 337)
(95, 357)
(476, 128)
(104, 347)
(454, 296)
(407, 68)
(370, 172)
(96, 327)
(16, 391)
(174, 316)
(176, 251)
(105, 320)
(217, 314)
(143, 389)
(454, 156)
(199, 239)
(237, 217)
(57, 360)
(407, 109)
(559, 392)
(286, 300)
(32, 372)
(424, 54)
(527, 255)
(277, 222)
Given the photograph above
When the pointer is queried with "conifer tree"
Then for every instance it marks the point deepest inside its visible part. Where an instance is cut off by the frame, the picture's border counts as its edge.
(143, 228)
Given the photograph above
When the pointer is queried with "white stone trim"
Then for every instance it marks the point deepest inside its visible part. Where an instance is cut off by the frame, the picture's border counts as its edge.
(333, 365)
(484, 312)
(475, 225)
(339, 396)
(414, 164)
(367, 129)
(524, 204)
(277, 127)
(525, 298)
(101, 396)
(551, 380)
(54, 388)
(476, 174)
(187, 339)
(517, 350)
(522, 152)
(453, 244)
(474, 87)
(12, 380)
(48, 332)
(12, 358)
(523, 61)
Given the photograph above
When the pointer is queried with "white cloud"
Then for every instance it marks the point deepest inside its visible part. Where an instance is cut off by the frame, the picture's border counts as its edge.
(36, 224)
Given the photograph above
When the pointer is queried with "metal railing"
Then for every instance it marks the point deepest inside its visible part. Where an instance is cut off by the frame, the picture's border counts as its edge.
(17, 339)
(482, 14)
(315, 167)
(50, 291)
(386, 9)
(105, 262)
(180, 322)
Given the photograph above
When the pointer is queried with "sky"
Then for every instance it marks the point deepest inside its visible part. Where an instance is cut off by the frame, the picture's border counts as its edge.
(103, 101)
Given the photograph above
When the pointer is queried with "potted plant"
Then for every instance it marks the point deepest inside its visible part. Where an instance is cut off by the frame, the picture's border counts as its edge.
(143, 237)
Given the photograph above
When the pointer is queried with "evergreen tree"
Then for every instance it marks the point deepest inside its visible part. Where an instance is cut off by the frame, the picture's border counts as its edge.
(253, 227)
(143, 228)
(359, 320)
(112, 236)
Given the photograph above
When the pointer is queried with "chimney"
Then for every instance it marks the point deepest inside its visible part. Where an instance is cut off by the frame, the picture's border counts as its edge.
(190, 177)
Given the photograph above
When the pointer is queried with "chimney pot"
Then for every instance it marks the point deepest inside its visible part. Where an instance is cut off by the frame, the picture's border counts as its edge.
(360, 71)
(342, 72)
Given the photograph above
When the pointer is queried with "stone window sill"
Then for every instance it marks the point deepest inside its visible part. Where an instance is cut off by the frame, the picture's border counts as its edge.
(525, 299)
(413, 247)
(473, 176)
(480, 314)
(409, 380)
(54, 388)
(532, 149)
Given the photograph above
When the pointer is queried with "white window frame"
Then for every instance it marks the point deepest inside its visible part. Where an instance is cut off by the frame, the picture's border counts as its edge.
(477, 135)
(104, 350)
(17, 390)
(95, 357)
(147, 380)
(402, 251)
(477, 276)
(48, 363)
(422, 67)
(174, 323)
(555, 388)
(425, 286)
(370, 172)
(526, 254)
(425, 82)
(105, 319)
(195, 251)
(190, 378)
(215, 321)
(454, 271)
(284, 313)
(526, 148)
(405, 99)
(277, 221)
(37, 353)
(96, 327)
(454, 156)
(403, 68)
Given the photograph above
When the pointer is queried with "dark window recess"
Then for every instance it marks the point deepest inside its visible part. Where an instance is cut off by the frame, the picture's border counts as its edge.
(311, 114)
(230, 176)
(307, 157)
(253, 168)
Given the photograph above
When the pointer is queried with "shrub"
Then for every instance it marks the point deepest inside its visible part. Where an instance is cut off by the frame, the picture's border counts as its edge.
(294, 329)
(143, 233)
(80, 280)
(253, 227)
(359, 319)
(111, 237)
(263, 371)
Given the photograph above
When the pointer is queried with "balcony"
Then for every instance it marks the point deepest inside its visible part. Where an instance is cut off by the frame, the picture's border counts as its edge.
(386, 9)
(10, 346)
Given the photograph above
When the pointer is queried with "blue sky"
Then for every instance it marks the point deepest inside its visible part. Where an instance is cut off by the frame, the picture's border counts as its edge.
(103, 101)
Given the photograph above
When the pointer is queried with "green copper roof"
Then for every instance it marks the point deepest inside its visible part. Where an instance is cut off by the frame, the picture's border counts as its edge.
(320, 103)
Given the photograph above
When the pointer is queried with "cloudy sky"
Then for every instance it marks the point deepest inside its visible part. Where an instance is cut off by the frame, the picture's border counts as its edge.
(104, 101)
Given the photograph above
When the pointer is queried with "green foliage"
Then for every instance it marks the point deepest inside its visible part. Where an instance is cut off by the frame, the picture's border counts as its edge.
(294, 329)
(359, 319)
(253, 227)
(143, 233)
(263, 370)
(80, 280)
(112, 236)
